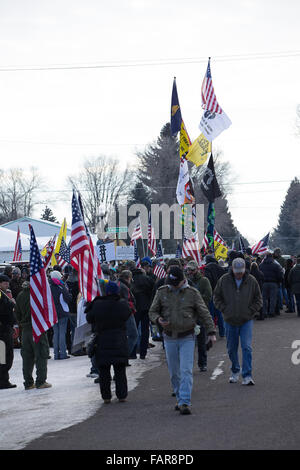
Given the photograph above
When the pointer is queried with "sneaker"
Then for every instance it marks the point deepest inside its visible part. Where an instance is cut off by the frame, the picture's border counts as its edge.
(30, 387)
(93, 375)
(234, 378)
(248, 380)
(7, 385)
(185, 409)
(107, 402)
(203, 369)
(44, 385)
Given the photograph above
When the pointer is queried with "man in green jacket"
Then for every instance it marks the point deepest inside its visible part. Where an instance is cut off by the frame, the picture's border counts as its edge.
(177, 307)
(202, 284)
(31, 352)
(237, 295)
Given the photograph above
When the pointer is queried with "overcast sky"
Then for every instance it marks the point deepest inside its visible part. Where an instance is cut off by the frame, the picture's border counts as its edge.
(53, 119)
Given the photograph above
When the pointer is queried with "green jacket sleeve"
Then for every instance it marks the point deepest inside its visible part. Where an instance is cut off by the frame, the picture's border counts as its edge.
(218, 298)
(203, 314)
(155, 309)
(206, 290)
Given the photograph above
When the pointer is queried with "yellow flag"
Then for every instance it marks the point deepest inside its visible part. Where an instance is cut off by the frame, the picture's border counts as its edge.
(62, 234)
(220, 251)
(199, 151)
(184, 141)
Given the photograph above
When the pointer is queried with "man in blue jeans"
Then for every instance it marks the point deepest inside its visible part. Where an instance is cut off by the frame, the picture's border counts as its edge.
(237, 295)
(178, 307)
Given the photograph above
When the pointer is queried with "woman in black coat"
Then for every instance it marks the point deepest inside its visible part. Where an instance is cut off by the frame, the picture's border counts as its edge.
(109, 315)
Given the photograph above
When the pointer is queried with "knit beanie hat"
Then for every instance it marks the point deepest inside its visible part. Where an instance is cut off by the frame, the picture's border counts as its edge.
(112, 288)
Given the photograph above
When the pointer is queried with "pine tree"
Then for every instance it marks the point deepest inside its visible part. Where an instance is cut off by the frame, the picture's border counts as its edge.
(48, 215)
(287, 233)
(157, 176)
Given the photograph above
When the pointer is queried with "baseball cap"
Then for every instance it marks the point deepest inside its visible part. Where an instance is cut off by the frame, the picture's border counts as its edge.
(238, 265)
(175, 276)
(192, 265)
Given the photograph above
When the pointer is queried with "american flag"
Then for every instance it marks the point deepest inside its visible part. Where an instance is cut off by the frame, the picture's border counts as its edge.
(18, 248)
(151, 237)
(159, 271)
(136, 256)
(209, 99)
(261, 247)
(178, 251)
(217, 239)
(190, 247)
(137, 233)
(95, 257)
(63, 257)
(43, 313)
(50, 248)
(84, 256)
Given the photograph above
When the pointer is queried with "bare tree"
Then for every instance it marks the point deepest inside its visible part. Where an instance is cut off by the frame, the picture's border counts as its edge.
(17, 192)
(102, 182)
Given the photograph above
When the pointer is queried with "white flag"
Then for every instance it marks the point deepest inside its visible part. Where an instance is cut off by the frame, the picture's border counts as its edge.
(212, 124)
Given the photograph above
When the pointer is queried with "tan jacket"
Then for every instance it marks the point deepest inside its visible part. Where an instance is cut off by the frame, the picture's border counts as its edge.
(182, 308)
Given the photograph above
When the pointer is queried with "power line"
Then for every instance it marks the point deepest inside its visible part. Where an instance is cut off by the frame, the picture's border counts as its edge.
(153, 62)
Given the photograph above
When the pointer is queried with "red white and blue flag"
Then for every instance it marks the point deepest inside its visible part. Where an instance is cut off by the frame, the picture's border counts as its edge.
(50, 248)
(42, 308)
(18, 248)
(159, 271)
(137, 233)
(82, 257)
(190, 247)
(151, 237)
(262, 246)
(136, 256)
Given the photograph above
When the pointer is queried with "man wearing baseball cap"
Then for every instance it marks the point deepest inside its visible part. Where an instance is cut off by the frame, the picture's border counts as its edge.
(177, 307)
(237, 295)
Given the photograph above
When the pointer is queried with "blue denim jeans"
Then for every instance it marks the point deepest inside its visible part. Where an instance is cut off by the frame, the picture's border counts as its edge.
(233, 335)
(180, 359)
(215, 313)
(59, 338)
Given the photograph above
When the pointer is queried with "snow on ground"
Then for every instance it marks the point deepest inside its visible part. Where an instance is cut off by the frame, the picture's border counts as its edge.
(28, 414)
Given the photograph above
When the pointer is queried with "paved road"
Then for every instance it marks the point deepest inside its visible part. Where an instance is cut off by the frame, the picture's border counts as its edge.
(225, 416)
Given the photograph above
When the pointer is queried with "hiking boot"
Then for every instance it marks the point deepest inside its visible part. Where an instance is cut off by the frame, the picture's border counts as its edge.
(30, 387)
(185, 409)
(234, 378)
(248, 380)
(44, 385)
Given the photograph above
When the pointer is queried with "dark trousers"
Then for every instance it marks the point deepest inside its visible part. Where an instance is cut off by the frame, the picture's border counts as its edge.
(34, 354)
(120, 380)
(269, 294)
(6, 354)
(201, 344)
(142, 318)
(297, 297)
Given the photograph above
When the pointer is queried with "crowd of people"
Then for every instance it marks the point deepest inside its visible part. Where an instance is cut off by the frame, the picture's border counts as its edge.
(185, 308)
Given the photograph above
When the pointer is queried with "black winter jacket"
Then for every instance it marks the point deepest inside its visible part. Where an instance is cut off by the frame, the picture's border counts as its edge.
(109, 315)
(272, 271)
(7, 316)
(142, 287)
(213, 271)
